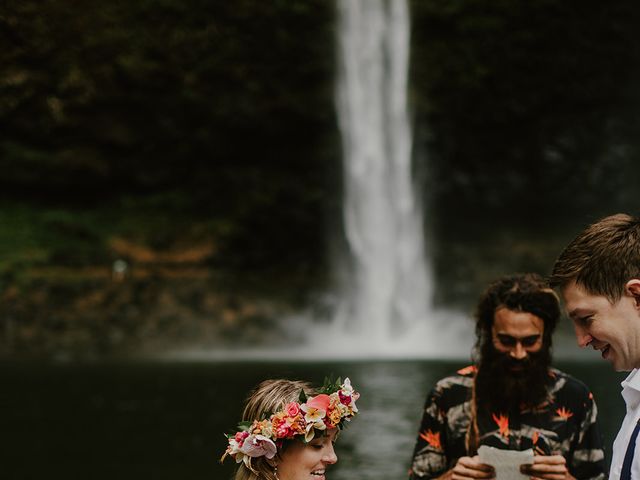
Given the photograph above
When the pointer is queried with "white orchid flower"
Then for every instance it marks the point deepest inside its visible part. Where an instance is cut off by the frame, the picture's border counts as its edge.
(258, 445)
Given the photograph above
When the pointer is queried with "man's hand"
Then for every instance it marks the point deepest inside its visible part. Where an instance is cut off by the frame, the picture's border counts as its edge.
(469, 468)
(547, 467)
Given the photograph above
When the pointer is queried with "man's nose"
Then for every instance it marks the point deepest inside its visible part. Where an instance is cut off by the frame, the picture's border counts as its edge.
(583, 338)
(330, 457)
(518, 352)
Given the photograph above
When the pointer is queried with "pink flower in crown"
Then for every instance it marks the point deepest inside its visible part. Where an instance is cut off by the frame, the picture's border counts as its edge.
(285, 426)
(349, 394)
(240, 438)
(258, 446)
(320, 402)
(315, 410)
(283, 431)
(280, 425)
(293, 409)
(233, 448)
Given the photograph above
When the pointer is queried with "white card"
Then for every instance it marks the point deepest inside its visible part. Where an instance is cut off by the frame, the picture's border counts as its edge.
(506, 462)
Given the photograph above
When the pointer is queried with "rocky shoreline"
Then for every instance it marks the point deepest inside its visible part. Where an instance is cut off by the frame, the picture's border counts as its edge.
(93, 313)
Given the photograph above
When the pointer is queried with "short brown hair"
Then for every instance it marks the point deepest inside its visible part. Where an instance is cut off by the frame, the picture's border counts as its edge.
(603, 258)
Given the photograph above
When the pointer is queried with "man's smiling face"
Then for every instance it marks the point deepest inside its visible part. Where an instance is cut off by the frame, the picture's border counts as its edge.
(612, 329)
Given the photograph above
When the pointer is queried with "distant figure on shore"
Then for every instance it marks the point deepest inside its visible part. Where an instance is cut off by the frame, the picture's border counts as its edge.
(296, 442)
(598, 274)
(119, 270)
(511, 398)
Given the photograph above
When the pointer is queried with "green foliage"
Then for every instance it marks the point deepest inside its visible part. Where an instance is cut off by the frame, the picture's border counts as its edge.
(217, 112)
(245, 426)
(302, 398)
(527, 106)
(330, 385)
(19, 244)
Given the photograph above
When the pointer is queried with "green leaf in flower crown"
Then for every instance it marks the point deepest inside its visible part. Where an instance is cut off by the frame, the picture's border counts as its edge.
(330, 385)
(302, 398)
(245, 426)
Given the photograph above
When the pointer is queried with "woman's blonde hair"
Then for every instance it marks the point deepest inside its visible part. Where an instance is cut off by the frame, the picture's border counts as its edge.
(267, 398)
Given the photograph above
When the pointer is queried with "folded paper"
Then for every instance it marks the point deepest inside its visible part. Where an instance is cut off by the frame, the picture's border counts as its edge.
(506, 463)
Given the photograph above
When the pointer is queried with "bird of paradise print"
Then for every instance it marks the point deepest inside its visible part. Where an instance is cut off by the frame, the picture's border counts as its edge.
(564, 413)
(433, 439)
(468, 370)
(503, 423)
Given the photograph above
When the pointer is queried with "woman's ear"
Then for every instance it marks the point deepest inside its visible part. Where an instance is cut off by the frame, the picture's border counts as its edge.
(633, 288)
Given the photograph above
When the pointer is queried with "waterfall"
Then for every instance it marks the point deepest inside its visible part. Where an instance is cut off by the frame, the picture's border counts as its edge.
(385, 305)
(388, 286)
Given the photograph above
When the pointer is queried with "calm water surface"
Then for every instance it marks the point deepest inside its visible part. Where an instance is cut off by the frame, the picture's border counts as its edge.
(166, 421)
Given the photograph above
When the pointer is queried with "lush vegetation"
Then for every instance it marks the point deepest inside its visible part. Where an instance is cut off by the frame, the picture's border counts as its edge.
(168, 117)
(197, 140)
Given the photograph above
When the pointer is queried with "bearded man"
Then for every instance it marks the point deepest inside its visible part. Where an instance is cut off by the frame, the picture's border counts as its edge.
(511, 398)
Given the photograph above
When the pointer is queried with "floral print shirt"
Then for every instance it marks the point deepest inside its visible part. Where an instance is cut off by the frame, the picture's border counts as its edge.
(565, 424)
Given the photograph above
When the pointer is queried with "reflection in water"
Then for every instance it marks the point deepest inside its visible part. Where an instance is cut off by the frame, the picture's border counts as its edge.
(383, 436)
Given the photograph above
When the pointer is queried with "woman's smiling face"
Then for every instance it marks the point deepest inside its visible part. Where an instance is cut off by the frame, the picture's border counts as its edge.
(308, 461)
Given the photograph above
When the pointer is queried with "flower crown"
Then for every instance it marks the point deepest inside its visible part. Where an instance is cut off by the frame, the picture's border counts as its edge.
(332, 407)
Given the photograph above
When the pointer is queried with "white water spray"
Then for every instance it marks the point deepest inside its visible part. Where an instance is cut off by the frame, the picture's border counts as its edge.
(390, 286)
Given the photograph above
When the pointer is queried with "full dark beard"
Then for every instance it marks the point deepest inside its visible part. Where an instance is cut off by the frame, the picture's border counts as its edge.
(504, 384)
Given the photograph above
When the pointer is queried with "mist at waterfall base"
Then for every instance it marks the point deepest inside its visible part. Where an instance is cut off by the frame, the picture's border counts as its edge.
(166, 420)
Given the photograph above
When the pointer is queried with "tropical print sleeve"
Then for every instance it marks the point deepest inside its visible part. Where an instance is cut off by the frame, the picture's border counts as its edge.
(429, 460)
(587, 456)
(445, 420)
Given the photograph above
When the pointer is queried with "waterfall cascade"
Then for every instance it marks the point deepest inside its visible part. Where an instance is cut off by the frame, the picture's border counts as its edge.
(389, 287)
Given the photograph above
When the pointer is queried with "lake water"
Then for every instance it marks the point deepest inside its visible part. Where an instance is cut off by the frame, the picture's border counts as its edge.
(166, 420)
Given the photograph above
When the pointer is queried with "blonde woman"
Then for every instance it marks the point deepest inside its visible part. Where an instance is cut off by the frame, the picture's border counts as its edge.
(297, 441)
